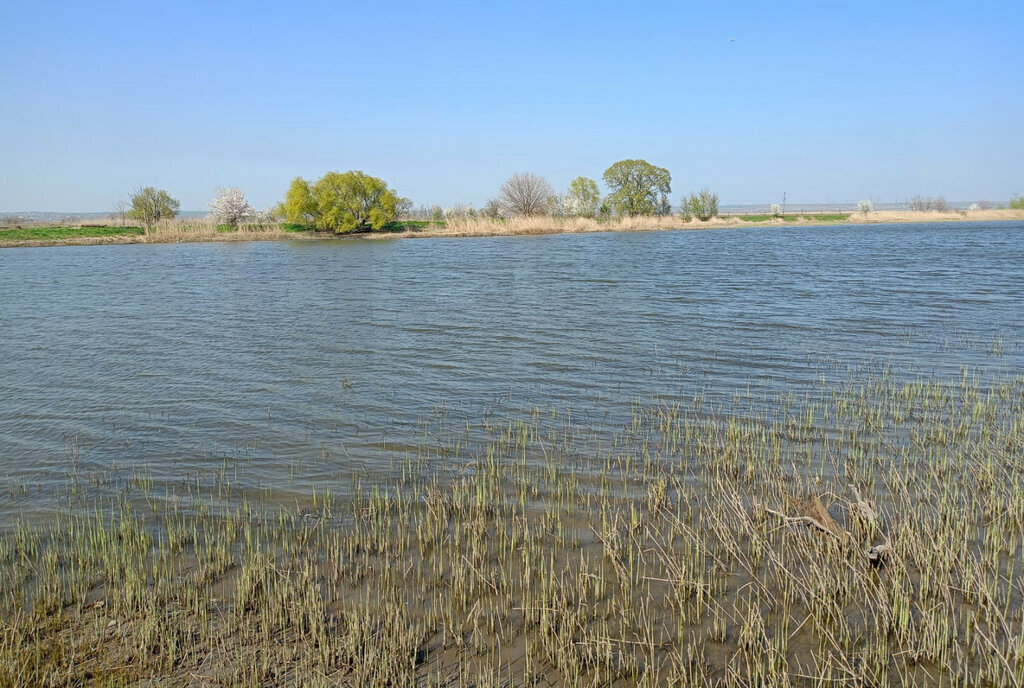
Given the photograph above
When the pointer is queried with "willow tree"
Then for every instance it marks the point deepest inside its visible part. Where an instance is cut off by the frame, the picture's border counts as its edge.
(341, 202)
(637, 187)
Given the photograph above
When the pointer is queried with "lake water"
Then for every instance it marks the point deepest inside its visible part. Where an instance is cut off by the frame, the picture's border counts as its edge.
(318, 362)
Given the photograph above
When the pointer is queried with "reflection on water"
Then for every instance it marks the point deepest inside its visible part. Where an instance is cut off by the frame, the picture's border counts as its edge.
(321, 361)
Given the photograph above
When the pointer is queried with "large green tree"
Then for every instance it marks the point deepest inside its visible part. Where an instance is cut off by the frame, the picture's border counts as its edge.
(150, 205)
(637, 187)
(341, 202)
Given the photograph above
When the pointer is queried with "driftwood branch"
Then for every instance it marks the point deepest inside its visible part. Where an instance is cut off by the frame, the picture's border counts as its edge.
(812, 512)
(805, 520)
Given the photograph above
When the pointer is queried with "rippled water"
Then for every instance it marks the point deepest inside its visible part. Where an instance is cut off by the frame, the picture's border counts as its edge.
(322, 357)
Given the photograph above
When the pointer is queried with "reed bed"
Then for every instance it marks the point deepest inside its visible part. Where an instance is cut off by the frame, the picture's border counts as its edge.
(681, 549)
(179, 231)
(530, 225)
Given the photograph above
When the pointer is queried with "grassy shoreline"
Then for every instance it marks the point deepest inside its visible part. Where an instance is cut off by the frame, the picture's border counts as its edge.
(700, 546)
(205, 231)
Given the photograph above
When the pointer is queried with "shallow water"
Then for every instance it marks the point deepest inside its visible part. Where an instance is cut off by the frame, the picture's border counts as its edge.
(315, 362)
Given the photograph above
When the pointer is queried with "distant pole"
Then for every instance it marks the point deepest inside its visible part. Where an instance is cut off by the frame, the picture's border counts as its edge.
(783, 202)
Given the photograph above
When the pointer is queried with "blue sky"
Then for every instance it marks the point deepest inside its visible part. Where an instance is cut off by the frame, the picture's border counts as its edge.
(825, 101)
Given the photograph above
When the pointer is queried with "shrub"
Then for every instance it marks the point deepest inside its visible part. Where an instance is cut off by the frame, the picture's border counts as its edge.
(150, 205)
(491, 209)
(924, 204)
(703, 204)
(865, 206)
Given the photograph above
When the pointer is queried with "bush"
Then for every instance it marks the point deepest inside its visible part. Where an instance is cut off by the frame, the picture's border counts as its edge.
(491, 209)
(1017, 202)
(703, 205)
(925, 204)
(150, 205)
(865, 206)
(776, 210)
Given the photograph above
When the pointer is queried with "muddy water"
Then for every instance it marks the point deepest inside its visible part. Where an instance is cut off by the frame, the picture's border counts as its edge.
(320, 362)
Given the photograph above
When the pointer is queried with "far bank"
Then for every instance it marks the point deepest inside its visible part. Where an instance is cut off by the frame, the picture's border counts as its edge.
(185, 231)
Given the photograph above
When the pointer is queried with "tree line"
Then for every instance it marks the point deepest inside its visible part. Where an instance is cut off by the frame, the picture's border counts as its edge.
(344, 202)
(351, 201)
(636, 188)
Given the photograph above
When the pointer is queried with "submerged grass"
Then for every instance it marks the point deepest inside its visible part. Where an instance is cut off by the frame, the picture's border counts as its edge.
(670, 554)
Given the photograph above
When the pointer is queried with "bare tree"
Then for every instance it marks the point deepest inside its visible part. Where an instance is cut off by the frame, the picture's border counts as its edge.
(526, 194)
(924, 204)
(492, 209)
(121, 212)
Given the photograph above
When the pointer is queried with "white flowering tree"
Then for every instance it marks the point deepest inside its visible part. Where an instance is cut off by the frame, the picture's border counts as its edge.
(231, 208)
(582, 198)
(865, 207)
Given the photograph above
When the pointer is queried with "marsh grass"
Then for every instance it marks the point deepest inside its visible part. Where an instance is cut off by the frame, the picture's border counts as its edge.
(530, 225)
(177, 231)
(544, 559)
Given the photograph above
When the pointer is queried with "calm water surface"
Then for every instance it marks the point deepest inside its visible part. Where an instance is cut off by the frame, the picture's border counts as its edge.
(320, 361)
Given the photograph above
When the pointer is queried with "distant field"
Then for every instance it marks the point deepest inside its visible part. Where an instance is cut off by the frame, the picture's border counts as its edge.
(829, 217)
(795, 217)
(53, 233)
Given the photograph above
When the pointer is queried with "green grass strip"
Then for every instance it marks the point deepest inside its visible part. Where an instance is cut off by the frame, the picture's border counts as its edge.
(51, 233)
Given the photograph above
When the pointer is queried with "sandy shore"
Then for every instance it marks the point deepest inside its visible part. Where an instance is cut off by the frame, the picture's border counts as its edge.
(546, 225)
(909, 216)
(521, 226)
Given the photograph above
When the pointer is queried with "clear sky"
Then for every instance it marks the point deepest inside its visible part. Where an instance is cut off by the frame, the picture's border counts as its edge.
(826, 101)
